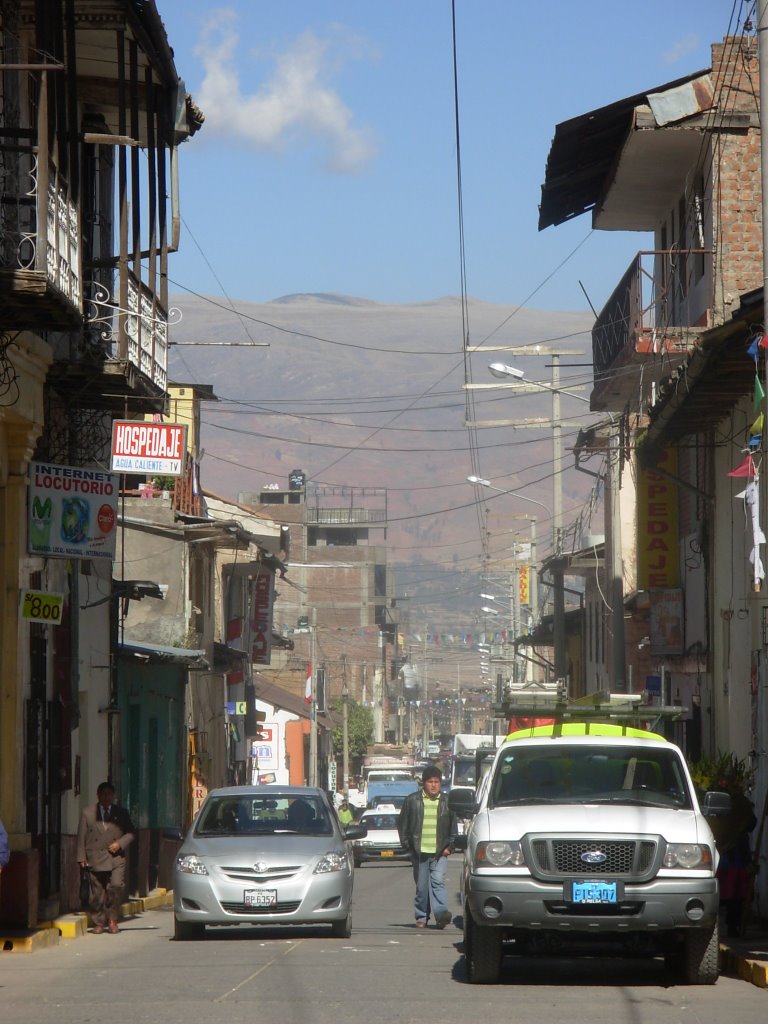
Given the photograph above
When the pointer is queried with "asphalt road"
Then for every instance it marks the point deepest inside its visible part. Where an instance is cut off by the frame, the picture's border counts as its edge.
(388, 971)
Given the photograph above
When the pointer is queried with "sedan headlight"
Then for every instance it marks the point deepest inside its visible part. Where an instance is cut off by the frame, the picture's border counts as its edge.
(191, 865)
(687, 855)
(500, 854)
(331, 861)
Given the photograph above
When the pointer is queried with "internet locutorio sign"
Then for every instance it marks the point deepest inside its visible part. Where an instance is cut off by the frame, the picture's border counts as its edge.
(139, 447)
(72, 512)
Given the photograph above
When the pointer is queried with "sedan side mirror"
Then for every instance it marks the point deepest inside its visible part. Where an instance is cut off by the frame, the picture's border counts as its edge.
(355, 831)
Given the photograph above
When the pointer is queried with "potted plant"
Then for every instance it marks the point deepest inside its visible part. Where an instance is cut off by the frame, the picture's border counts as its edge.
(726, 773)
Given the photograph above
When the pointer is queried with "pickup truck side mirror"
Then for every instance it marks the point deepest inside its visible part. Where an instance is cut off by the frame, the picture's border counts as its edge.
(716, 804)
(462, 802)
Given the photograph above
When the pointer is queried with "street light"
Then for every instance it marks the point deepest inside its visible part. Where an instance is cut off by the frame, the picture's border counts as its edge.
(614, 517)
(488, 610)
(345, 740)
(480, 481)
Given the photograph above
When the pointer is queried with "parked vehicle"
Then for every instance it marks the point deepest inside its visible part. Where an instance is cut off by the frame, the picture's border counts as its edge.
(382, 841)
(587, 833)
(265, 855)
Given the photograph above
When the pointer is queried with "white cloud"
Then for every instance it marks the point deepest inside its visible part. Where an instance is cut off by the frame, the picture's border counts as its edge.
(296, 101)
(681, 48)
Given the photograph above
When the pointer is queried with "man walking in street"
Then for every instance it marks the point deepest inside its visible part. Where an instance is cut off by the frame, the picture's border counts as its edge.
(426, 826)
(104, 834)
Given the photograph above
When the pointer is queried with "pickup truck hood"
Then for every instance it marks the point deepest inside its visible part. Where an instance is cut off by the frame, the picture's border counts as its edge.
(591, 820)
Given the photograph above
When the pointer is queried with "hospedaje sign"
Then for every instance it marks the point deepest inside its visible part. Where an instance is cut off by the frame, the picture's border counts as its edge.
(658, 555)
(152, 448)
(72, 512)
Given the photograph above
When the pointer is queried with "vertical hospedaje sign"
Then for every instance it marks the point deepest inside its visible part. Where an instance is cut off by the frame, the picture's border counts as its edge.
(153, 448)
(72, 512)
(658, 566)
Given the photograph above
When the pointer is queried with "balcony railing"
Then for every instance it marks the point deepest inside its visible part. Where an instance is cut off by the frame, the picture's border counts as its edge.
(137, 332)
(345, 516)
(39, 239)
(662, 295)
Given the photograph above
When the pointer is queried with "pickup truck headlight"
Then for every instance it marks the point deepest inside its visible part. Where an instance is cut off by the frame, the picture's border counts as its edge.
(687, 855)
(500, 854)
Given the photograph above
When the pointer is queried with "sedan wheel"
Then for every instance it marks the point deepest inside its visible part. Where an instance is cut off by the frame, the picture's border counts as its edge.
(184, 930)
(342, 929)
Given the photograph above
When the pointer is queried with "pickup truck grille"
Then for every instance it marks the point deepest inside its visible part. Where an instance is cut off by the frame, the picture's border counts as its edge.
(580, 858)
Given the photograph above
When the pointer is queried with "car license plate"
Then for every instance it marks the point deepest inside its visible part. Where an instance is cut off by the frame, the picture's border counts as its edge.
(260, 897)
(387, 853)
(595, 892)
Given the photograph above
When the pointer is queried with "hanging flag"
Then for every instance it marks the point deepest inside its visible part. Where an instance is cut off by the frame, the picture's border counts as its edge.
(746, 468)
(308, 685)
(763, 341)
(757, 426)
(759, 393)
(234, 629)
(752, 348)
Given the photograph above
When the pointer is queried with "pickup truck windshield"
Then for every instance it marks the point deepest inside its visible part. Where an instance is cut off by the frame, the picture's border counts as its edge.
(586, 774)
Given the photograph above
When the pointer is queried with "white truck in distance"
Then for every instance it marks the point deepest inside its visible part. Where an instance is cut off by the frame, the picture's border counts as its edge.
(464, 768)
(589, 842)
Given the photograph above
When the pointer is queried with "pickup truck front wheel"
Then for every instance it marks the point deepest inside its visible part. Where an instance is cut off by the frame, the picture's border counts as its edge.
(482, 951)
(701, 956)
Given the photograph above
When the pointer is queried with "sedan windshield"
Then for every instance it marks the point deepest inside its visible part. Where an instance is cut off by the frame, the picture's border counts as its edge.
(586, 774)
(247, 815)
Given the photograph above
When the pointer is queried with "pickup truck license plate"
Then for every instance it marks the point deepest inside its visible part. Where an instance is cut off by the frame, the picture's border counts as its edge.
(594, 892)
(260, 897)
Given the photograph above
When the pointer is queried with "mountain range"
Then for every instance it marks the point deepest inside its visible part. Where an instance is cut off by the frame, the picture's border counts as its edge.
(365, 394)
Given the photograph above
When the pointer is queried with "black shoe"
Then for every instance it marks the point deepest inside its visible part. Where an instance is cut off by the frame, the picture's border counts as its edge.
(444, 919)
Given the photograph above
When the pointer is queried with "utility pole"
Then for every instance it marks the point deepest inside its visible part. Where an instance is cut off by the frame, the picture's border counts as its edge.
(313, 703)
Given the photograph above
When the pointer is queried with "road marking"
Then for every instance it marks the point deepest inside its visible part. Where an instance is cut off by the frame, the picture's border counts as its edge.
(220, 999)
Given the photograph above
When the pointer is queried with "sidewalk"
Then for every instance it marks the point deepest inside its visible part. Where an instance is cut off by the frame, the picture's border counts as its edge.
(747, 957)
(72, 926)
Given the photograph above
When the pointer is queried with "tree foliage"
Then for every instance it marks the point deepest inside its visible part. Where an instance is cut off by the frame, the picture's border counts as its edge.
(359, 729)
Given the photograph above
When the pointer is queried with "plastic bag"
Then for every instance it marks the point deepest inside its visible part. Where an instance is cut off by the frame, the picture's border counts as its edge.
(85, 887)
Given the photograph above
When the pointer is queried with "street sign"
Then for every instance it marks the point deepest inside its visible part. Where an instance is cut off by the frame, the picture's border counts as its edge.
(236, 707)
(39, 606)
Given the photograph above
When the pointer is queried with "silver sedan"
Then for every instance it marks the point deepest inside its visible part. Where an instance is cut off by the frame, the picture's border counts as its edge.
(265, 855)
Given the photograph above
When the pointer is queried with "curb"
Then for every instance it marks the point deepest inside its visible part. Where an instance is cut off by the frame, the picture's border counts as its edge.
(735, 965)
(73, 926)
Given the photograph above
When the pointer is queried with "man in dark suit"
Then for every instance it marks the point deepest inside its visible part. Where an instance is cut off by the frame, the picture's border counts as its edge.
(104, 834)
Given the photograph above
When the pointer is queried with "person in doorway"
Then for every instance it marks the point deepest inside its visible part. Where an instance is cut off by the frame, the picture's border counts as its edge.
(104, 834)
(427, 826)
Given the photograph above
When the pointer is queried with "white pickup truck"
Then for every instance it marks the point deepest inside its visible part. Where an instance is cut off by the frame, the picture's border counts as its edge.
(589, 842)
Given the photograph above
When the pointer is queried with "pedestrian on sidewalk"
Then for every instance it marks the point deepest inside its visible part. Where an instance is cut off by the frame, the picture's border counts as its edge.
(104, 834)
(427, 826)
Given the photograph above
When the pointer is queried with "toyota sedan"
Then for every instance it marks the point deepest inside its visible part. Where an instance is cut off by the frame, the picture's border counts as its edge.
(265, 855)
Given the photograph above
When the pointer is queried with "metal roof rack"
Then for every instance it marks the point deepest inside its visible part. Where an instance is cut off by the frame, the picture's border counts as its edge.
(552, 701)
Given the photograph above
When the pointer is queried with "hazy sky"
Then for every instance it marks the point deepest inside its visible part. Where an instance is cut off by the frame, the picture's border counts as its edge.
(327, 162)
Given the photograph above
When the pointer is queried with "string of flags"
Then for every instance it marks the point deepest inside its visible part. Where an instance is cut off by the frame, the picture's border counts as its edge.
(749, 467)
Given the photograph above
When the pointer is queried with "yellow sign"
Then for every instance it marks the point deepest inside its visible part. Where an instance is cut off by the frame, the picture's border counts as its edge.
(657, 519)
(38, 606)
(524, 584)
(240, 707)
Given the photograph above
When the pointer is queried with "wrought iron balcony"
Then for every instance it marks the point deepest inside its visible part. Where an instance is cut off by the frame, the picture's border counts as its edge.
(653, 318)
(40, 275)
(136, 333)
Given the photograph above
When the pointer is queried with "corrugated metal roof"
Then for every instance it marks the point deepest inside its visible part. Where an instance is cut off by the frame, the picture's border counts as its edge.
(584, 151)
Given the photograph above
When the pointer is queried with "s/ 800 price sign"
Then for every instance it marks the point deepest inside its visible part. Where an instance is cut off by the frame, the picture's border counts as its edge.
(39, 606)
